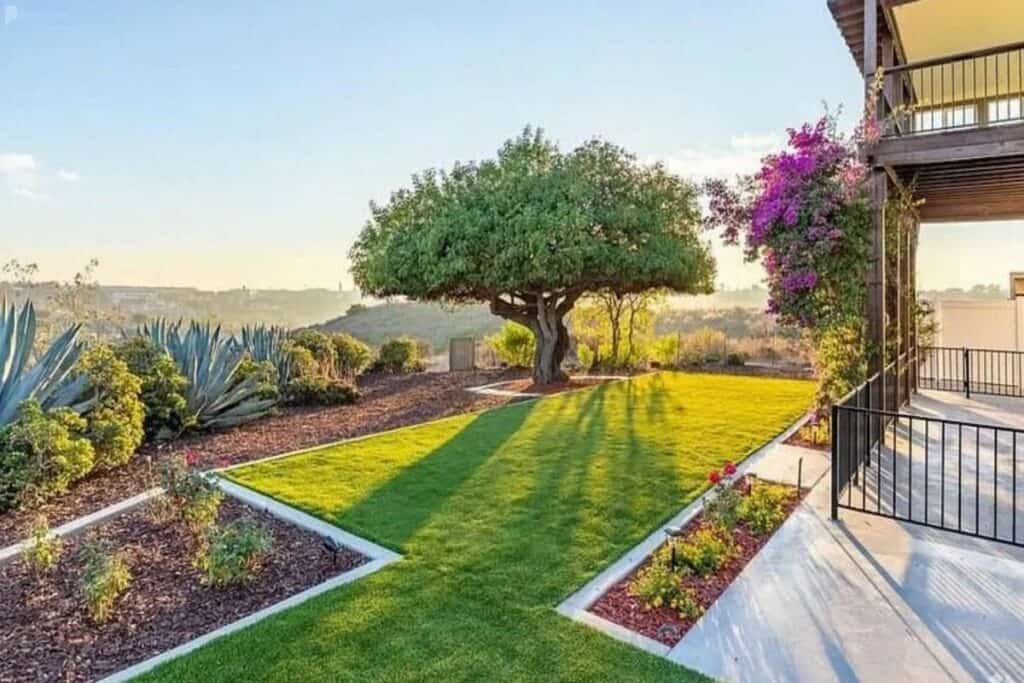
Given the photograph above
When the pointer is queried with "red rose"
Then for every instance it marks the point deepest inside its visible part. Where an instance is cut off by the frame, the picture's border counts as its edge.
(714, 476)
(730, 469)
(191, 458)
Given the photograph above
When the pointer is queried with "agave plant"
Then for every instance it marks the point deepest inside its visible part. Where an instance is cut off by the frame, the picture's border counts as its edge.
(264, 344)
(48, 380)
(208, 361)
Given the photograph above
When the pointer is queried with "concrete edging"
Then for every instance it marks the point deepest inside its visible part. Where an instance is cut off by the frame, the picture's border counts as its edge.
(576, 606)
(80, 524)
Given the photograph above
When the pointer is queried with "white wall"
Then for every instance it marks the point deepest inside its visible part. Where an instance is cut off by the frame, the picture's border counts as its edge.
(997, 325)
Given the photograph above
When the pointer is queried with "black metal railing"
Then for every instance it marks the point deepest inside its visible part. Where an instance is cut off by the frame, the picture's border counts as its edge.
(968, 90)
(944, 474)
(989, 372)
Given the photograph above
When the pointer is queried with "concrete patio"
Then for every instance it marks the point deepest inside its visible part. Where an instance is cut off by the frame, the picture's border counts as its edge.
(865, 599)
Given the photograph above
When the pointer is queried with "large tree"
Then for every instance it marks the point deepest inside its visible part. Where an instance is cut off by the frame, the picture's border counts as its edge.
(532, 231)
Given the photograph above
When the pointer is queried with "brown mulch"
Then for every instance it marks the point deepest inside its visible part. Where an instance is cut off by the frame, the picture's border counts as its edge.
(388, 401)
(47, 634)
(664, 624)
(798, 439)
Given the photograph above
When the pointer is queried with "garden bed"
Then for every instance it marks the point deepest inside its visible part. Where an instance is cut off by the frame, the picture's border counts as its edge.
(665, 624)
(45, 630)
(388, 401)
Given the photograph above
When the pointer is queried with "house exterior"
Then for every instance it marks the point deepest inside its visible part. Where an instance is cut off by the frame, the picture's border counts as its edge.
(951, 116)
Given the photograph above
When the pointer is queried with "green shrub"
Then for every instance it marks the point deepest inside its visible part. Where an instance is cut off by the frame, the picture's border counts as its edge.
(722, 506)
(45, 549)
(735, 359)
(301, 362)
(658, 585)
(163, 388)
(233, 552)
(14, 471)
(706, 550)
(351, 356)
(105, 576)
(114, 422)
(44, 453)
(192, 497)
(398, 356)
(514, 344)
(318, 344)
(265, 373)
(320, 391)
(764, 508)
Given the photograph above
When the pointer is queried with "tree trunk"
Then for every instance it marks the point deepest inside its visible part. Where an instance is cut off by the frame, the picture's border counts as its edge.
(552, 345)
(543, 314)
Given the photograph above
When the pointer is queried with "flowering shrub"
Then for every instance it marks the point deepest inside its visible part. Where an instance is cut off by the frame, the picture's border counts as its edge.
(42, 554)
(806, 216)
(720, 507)
(764, 508)
(659, 585)
(232, 553)
(706, 550)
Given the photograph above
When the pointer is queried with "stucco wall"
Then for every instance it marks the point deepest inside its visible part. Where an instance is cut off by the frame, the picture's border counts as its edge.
(981, 324)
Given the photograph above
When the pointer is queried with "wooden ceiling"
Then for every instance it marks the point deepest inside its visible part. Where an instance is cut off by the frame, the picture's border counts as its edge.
(976, 190)
(849, 17)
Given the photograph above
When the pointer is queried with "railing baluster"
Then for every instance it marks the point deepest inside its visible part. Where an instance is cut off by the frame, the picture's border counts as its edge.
(927, 481)
(942, 489)
(960, 478)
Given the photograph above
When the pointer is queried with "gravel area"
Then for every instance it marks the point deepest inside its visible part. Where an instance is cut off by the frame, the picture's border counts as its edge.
(47, 635)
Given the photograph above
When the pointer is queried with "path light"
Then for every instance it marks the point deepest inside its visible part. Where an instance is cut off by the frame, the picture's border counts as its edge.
(331, 546)
(673, 532)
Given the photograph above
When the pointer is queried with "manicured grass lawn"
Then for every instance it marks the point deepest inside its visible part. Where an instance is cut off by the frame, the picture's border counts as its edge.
(500, 516)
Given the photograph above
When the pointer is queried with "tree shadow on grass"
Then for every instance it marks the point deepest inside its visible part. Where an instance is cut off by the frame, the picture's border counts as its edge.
(396, 510)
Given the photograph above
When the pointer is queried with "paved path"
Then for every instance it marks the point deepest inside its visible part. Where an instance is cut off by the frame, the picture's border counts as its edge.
(866, 599)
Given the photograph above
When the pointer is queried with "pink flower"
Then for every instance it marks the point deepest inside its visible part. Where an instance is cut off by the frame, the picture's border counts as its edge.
(191, 458)
(729, 469)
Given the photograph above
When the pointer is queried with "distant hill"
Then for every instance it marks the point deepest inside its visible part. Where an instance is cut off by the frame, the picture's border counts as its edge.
(429, 322)
(751, 297)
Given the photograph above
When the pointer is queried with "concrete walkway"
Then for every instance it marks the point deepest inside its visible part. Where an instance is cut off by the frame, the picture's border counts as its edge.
(865, 599)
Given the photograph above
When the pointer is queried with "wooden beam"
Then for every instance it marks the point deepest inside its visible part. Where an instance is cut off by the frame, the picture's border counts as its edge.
(959, 145)
(870, 37)
(879, 187)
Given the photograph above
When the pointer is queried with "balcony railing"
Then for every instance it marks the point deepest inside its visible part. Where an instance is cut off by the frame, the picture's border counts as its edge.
(969, 90)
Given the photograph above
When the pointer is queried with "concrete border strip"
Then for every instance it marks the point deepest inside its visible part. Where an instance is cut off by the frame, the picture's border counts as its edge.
(576, 606)
(80, 524)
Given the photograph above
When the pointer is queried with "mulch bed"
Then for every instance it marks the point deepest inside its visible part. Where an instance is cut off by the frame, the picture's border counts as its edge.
(664, 624)
(798, 439)
(47, 635)
(529, 387)
(388, 401)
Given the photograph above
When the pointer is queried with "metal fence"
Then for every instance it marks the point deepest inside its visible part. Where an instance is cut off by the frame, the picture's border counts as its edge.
(944, 474)
(989, 372)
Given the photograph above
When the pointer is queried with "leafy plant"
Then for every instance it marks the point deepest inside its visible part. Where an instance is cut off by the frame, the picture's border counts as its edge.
(163, 388)
(301, 363)
(398, 356)
(44, 550)
(351, 356)
(47, 381)
(208, 361)
(233, 552)
(193, 497)
(265, 374)
(320, 391)
(320, 345)
(764, 508)
(514, 345)
(114, 422)
(658, 585)
(44, 453)
(706, 550)
(105, 577)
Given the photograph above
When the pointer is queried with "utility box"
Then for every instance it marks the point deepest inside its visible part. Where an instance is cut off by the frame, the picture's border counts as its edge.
(462, 354)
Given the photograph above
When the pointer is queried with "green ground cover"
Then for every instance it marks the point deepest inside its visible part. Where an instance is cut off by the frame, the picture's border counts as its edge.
(500, 516)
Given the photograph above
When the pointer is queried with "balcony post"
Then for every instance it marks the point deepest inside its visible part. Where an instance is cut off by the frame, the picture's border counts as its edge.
(879, 186)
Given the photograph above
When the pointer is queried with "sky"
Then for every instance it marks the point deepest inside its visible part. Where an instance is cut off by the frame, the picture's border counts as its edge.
(222, 144)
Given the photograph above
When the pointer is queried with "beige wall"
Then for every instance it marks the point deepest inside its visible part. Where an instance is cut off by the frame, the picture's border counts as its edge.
(981, 324)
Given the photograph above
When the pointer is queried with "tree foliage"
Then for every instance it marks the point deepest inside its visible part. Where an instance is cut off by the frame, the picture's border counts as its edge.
(531, 231)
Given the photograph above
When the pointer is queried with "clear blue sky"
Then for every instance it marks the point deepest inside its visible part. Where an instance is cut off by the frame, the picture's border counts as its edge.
(228, 143)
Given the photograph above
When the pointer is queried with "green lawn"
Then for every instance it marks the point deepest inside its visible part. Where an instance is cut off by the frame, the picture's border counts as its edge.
(500, 516)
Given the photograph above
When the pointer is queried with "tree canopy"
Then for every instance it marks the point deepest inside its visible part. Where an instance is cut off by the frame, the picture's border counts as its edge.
(531, 231)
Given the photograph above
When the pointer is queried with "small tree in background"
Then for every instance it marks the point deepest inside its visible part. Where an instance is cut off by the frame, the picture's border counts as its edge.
(532, 231)
(514, 344)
